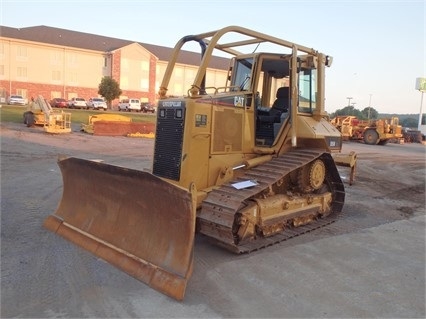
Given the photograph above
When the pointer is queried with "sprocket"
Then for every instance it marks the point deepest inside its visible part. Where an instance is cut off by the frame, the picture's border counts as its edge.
(311, 177)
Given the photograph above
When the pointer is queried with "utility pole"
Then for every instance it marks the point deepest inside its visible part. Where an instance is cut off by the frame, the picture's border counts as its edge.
(421, 112)
(369, 106)
(353, 108)
(421, 86)
(349, 101)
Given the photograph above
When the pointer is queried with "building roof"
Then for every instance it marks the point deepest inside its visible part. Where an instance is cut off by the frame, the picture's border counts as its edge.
(88, 41)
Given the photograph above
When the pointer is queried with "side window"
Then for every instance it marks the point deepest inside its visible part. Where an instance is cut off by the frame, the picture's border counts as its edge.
(242, 76)
(307, 90)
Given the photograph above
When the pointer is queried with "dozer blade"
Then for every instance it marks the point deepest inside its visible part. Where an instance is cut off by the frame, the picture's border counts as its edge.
(132, 219)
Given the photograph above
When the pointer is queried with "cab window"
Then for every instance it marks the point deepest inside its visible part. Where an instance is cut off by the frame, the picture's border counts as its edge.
(307, 90)
(242, 76)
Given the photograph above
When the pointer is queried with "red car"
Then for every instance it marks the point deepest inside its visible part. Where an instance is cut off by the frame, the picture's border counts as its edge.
(59, 102)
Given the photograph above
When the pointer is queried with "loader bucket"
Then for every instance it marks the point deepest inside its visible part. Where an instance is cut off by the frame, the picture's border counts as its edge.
(132, 219)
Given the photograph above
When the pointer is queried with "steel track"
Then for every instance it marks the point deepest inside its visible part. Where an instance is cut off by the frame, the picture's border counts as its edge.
(218, 210)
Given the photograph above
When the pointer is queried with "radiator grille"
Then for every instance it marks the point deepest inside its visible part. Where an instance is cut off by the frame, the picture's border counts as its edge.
(169, 142)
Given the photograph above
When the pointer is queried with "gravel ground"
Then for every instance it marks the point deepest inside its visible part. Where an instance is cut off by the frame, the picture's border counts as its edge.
(370, 263)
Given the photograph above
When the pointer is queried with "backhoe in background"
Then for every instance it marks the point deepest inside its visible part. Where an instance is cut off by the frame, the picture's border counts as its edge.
(247, 163)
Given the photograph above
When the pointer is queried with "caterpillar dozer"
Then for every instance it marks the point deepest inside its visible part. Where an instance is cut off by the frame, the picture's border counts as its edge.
(247, 164)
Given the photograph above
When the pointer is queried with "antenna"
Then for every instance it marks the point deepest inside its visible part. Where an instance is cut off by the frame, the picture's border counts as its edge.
(256, 47)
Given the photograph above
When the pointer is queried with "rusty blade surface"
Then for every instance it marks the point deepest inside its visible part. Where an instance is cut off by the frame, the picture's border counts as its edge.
(136, 221)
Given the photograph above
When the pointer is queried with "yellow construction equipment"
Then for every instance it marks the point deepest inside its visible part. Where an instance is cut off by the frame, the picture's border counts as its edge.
(347, 160)
(372, 132)
(40, 112)
(247, 164)
(89, 127)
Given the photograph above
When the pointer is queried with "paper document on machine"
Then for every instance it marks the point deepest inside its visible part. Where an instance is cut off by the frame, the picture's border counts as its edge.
(245, 184)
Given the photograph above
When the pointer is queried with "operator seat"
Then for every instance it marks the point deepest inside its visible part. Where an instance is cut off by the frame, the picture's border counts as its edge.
(279, 107)
(281, 103)
(269, 122)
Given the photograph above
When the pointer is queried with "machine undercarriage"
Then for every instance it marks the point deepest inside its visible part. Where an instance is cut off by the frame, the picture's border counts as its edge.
(293, 195)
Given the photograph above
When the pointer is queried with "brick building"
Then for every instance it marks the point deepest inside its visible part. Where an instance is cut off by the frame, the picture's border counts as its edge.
(56, 62)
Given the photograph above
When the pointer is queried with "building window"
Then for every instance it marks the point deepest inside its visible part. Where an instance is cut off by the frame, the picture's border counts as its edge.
(144, 75)
(72, 78)
(177, 89)
(56, 76)
(144, 84)
(124, 64)
(55, 94)
(55, 58)
(124, 82)
(21, 73)
(22, 92)
(190, 74)
(178, 72)
(105, 62)
(145, 65)
(72, 60)
(71, 95)
(3, 95)
(21, 53)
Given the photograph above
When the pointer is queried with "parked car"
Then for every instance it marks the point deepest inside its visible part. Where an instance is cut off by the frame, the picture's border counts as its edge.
(16, 99)
(77, 103)
(129, 105)
(97, 103)
(58, 102)
(148, 108)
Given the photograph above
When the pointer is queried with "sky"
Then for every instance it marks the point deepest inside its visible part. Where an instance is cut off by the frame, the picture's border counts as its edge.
(378, 47)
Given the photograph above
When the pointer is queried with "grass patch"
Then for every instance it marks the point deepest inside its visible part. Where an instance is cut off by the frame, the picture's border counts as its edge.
(14, 114)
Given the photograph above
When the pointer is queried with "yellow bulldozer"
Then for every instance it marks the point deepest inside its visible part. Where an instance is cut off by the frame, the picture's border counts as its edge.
(247, 164)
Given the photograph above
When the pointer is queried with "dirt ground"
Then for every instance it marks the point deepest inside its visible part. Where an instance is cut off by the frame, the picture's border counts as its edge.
(369, 263)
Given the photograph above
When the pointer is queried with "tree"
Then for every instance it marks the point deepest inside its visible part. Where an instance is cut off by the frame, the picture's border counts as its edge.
(348, 110)
(373, 113)
(109, 89)
(410, 122)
